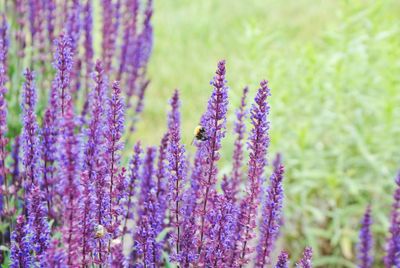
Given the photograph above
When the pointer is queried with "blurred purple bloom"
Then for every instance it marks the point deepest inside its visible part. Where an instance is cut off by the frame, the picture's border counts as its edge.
(70, 186)
(366, 241)
(177, 173)
(111, 20)
(392, 257)
(21, 245)
(221, 244)
(306, 261)
(129, 24)
(3, 106)
(283, 260)
(118, 258)
(147, 250)
(88, 29)
(113, 144)
(162, 176)
(30, 139)
(87, 214)
(55, 256)
(271, 215)
(63, 65)
(38, 223)
(49, 135)
(258, 146)
(135, 165)
(20, 35)
(233, 184)
(51, 13)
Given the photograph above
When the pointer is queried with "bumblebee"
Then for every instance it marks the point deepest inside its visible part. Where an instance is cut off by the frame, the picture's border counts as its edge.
(99, 231)
(200, 134)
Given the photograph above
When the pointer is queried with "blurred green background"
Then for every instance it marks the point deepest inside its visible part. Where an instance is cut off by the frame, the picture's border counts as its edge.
(334, 70)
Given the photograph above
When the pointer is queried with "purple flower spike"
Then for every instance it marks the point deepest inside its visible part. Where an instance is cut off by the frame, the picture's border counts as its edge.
(146, 36)
(366, 241)
(88, 28)
(30, 131)
(118, 258)
(306, 261)
(113, 134)
(38, 223)
(147, 250)
(93, 180)
(283, 260)
(129, 33)
(63, 65)
(3, 105)
(222, 232)
(51, 10)
(177, 168)
(87, 227)
(240, 130)
(70, 186)
(111, 21)
(207, 155)
(20, 35)
(135, 166)
(271, 215)
(392, 257)
(50, 133)
(55, 256)
(4, 42)
(21, 245)
(258, 146)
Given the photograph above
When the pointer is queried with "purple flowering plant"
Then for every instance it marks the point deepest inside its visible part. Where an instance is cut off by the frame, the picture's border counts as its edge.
(67, 198)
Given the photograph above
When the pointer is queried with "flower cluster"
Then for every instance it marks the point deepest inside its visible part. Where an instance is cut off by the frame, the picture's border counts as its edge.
(67, 196)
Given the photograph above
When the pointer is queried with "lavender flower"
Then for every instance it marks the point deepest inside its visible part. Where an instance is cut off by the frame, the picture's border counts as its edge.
(15, 172)
(111, 21)
(70, 186)
(93, 179)
(73, 25)
(306, 261)
(214, 121)
(21, 245)
(271, 215)
(258, 145)
(118, 258)
(177, 167)
(30, 131)
(162, 177)
(3, 107)
(51, 9)
(88, 41)
(87, 211)
(221, 232)
(240, 130)
(146, 36)
(55, 256)
(113, 145)
(129, 33)
(63, 65)
(392, 257)
(283, 260)
(20, 35)
(366, 241)
(146, 247)
(38, 223)
(135, 165)
(50, 133)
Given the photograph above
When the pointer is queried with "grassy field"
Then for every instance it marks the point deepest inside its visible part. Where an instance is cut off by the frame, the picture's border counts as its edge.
(333, 67)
